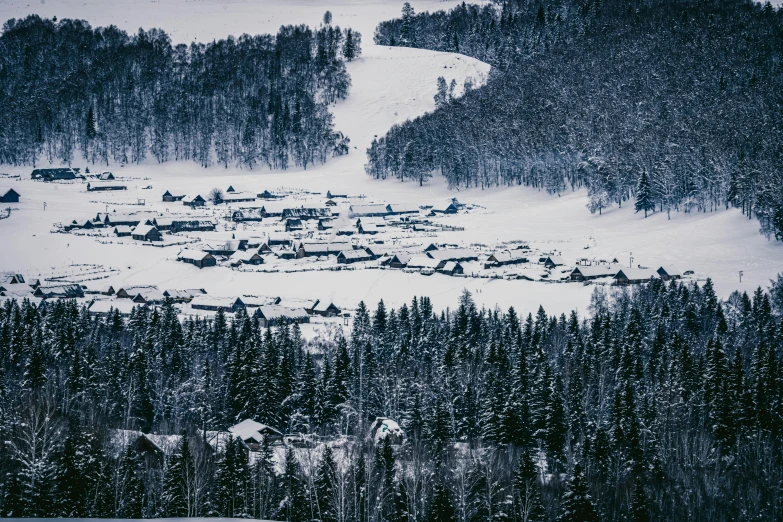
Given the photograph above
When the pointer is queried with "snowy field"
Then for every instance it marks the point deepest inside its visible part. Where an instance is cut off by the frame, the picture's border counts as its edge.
(389, 85)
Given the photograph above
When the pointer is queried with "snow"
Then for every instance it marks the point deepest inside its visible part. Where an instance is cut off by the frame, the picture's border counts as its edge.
(249, 429)
(389, 85)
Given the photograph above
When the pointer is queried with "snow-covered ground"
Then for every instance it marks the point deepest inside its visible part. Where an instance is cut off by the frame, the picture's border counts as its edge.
(389, 85)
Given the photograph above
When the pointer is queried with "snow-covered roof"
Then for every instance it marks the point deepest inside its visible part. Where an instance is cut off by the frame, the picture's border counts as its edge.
(450, 254)
(402, 208)
(213, 301)
(636, 273)
(450, 266)
(507, 257)
(423, 262)
(358, 254)
(143, 230)
(250, 430)
(104, 306)
(123, 229)
(275, 312)
(368, 210)
(244, 255)
(326, 248)
(193, 255)
(596, 271)
(383, 427)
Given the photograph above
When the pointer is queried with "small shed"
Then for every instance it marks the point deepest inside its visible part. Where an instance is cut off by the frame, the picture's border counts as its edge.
(106, 176)
(505, 258)
(274, 315)
(588, 273)
(59, 292)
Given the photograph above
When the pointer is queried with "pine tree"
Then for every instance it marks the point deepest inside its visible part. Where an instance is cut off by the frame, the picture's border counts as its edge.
(294, 507)
(644, 195)
(577, 505)
(639, 503)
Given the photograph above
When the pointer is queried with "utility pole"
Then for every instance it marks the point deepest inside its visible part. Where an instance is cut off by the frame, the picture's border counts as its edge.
(740, 274)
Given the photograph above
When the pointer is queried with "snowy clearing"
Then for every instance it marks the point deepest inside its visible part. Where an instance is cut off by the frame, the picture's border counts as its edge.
(389, 85)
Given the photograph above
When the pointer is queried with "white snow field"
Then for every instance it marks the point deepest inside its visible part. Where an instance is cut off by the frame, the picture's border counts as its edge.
(389, 85)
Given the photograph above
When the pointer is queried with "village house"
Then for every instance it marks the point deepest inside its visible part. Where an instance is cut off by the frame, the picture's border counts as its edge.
(325, 224)
(100, 187)
(293, 225)
(451, 268)
(588, 273)
(191, 225)
(330, 203)
(453, 254)
(275, 315)
(238, 197)
(505, 258)
(398, 209)
(331, 195)
(353, 256)
(123, 231)
(194, 200)
(668, 273)
(146, 233)
(197, 258)
(368, 210)
(59, 292)
(8, 195)
(253, 434)
(85, 224)
(326, 308)
(321, 249)
(450, 207)
(184, 296)
(553, 261)
(107, 307)
(120, 218)
(214, 303)
(141, 294)
(306, 213)
(248, 257)
(106, 176)
(226, 248)
(398, 261)
(274, 209)
(423, 263)
(59, 174)
(170, 197)
(266, 195)
(247, 214)
(278, 239)
(634, 276)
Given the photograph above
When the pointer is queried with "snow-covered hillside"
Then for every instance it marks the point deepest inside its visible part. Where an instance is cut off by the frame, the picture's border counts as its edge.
(389, 85)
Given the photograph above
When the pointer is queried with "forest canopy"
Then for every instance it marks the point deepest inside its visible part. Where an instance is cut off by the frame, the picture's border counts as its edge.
(674, 102)
(68, 90)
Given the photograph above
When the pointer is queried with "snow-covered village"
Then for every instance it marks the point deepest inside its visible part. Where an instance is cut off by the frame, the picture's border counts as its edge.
(388, 261)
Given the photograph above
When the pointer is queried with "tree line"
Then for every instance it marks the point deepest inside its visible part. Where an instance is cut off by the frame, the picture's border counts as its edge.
(673, 101)
(665, 403)
(69, 91)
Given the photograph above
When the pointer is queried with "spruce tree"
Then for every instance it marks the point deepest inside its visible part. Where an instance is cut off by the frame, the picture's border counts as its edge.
(325, 484)
(644, 194)
(577, 505)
